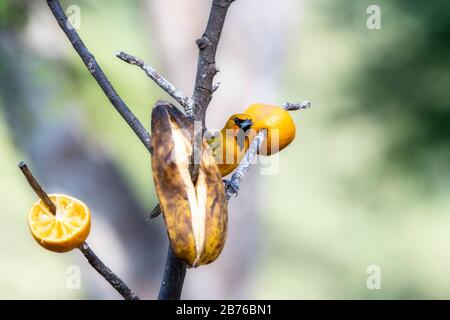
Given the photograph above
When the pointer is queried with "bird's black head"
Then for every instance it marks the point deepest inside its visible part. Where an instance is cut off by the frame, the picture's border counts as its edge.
(243, 123)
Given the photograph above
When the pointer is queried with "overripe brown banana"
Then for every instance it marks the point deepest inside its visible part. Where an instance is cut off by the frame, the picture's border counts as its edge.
(195, 214)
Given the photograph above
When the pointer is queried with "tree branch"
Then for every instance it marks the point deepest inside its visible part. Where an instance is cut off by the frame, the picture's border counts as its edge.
(186, 102)
(107, 274)
(206, 66)
(92, 258)
(98, 74)
(173, 279)
(245, 164)
(37, 187)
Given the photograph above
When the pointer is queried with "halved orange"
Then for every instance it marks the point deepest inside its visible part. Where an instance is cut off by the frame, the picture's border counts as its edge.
(278, 122)
(62, 232)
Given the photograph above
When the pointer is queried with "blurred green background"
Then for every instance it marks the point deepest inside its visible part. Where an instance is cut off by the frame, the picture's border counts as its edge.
(365, 183)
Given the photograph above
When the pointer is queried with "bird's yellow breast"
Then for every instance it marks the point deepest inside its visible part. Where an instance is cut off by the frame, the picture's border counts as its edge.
(229, 148)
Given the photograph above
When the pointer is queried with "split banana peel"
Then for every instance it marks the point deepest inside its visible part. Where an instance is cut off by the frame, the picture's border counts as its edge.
(195, 214)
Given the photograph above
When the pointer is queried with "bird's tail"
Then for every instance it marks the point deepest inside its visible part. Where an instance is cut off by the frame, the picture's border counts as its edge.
(155, 212)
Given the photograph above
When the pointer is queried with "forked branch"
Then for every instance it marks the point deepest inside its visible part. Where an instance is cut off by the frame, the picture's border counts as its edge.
(186, 102)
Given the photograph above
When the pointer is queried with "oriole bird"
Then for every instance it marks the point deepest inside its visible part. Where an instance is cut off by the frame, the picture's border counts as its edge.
(232, 142)
(279, 125)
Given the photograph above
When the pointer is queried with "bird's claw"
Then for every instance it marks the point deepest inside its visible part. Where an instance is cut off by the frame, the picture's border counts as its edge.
(232, 186)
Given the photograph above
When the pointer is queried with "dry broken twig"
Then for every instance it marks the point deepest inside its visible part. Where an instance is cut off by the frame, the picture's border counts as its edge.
(186, 102)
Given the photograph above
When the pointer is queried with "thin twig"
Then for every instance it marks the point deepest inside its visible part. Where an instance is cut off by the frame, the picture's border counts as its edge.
(107, 274)
(216, 86)
(186, 102)
(92, 258)
(297, 106)
(98, 74)
(245, 164)
(37, 188)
